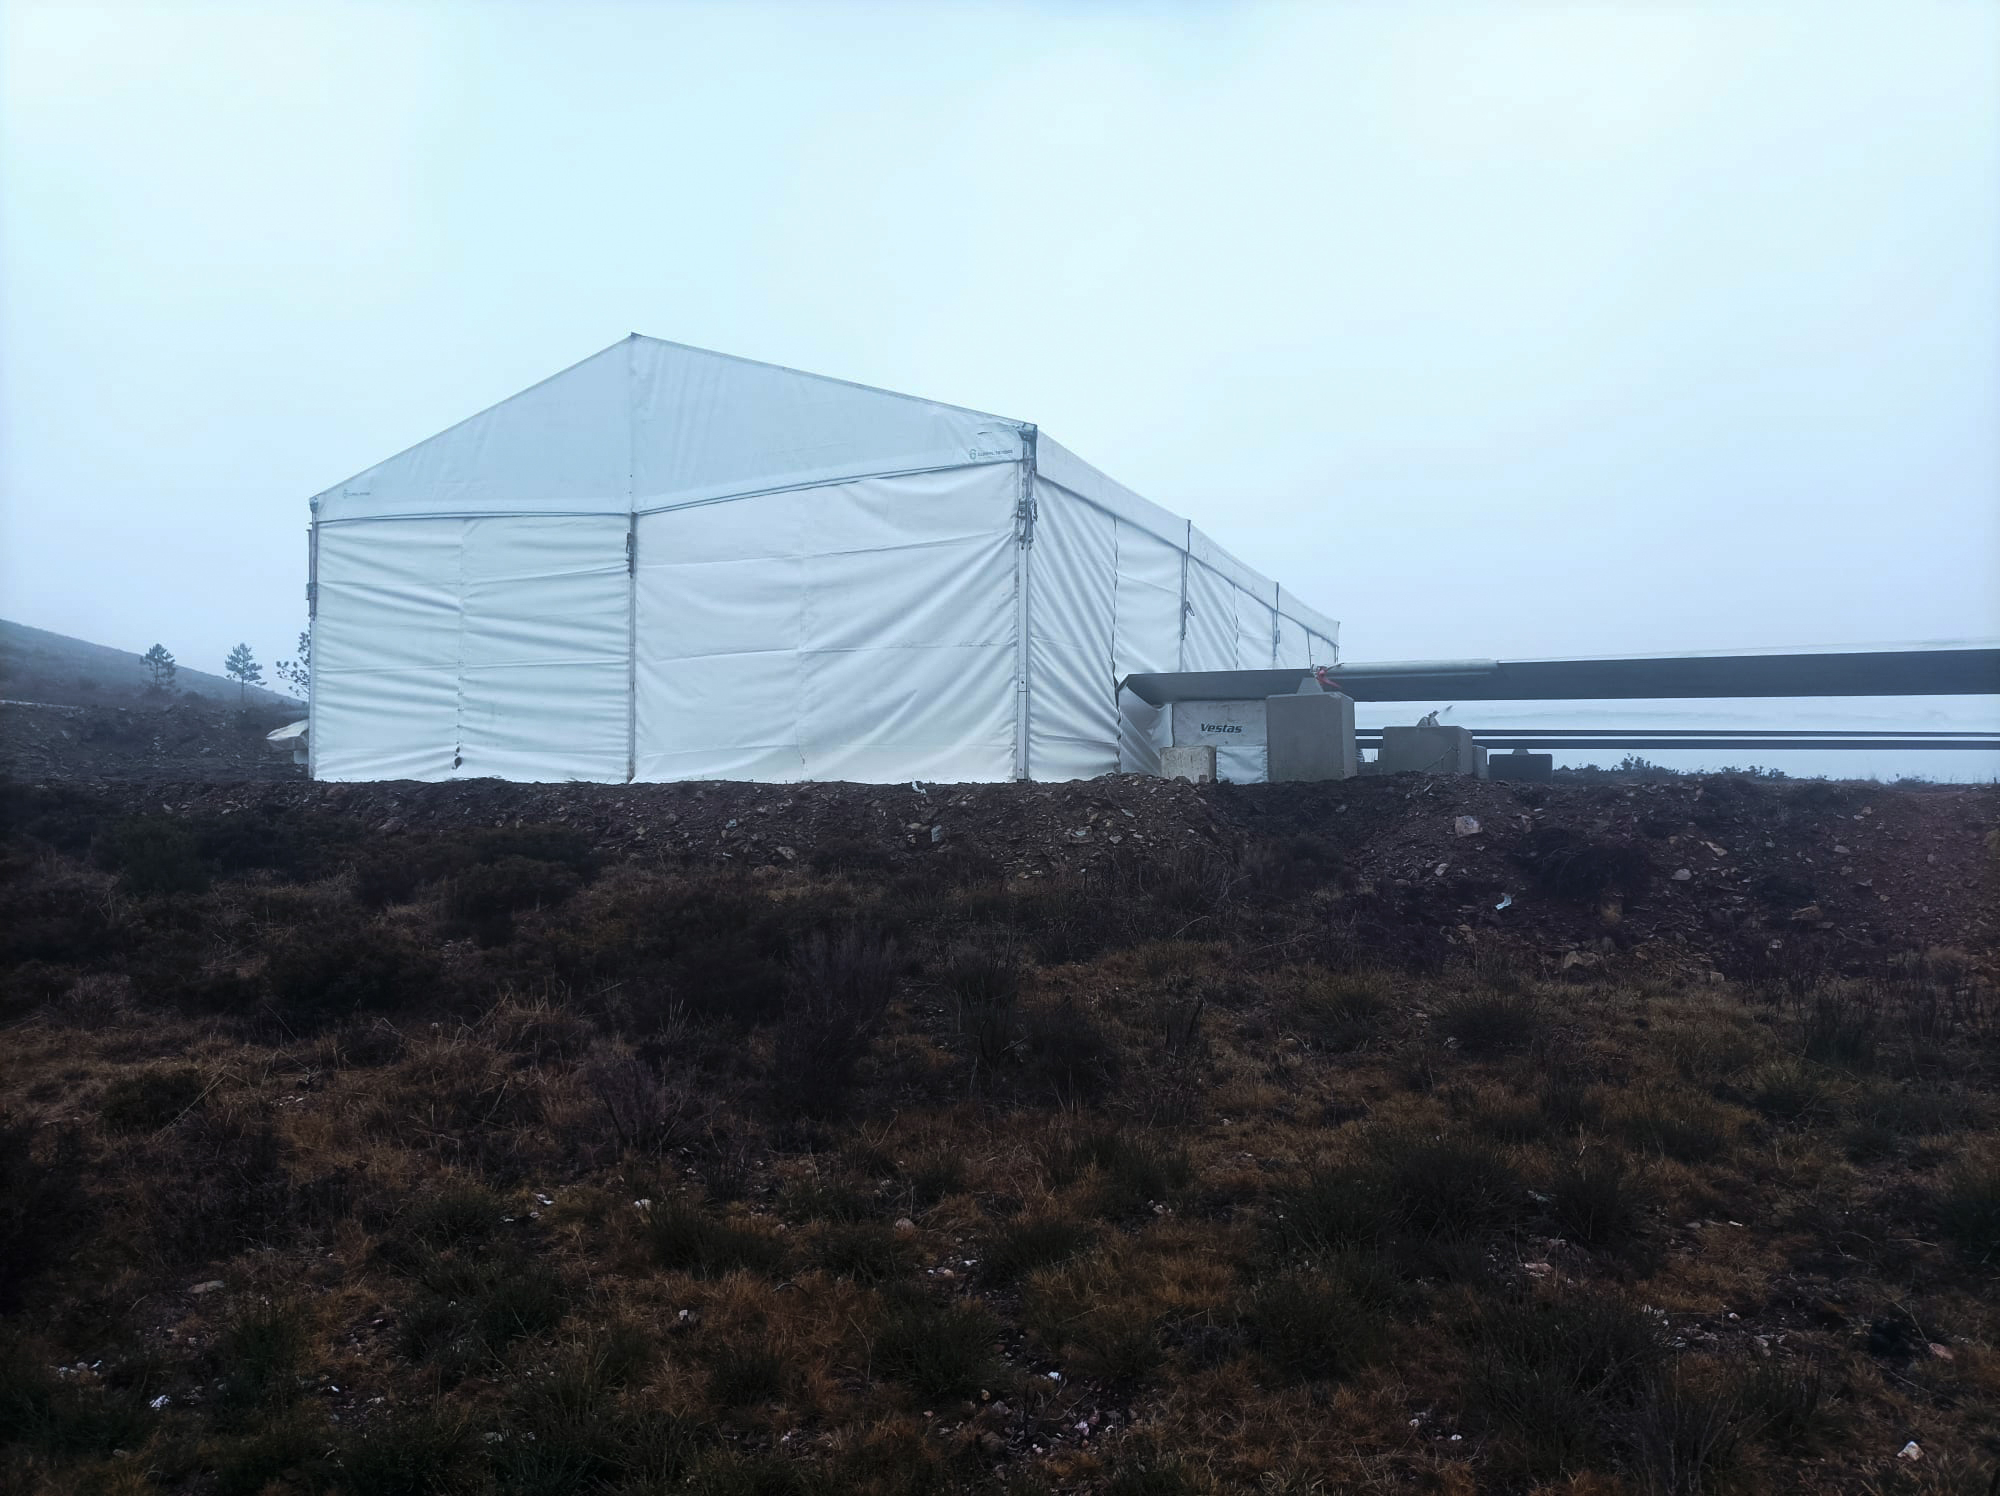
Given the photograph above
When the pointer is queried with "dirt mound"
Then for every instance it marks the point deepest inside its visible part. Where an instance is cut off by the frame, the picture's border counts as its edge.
(184, 739)
(1720, 873)
(1717, 872)
(1739, 869)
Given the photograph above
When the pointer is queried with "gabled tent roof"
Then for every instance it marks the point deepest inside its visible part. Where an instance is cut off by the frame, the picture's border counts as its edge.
(647, 424)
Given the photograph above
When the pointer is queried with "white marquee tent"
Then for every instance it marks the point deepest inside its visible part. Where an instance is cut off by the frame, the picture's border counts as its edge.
(664, 563)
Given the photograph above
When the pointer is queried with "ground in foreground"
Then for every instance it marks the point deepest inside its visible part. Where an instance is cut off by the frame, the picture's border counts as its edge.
(742, 1140)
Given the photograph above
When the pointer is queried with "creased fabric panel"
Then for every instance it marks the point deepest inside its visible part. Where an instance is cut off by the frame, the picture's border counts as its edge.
(1211, 621)
(1253, 631)
(1214, 642)
(471, 648)
(385, 650)
(1146, 637)
(1295, 645)
(860, 630)
(1072, 683)
(545, 651)
(721, 618)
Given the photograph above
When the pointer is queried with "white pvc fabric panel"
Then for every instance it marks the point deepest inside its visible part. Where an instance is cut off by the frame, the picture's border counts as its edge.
(664, 563)
(647, 424)
(861, 630)
(471, 647)
(1072, 672)
(1146, 638)
(1178, 602)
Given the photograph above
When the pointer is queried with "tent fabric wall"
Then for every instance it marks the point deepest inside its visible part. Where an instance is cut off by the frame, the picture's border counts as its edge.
(861, 630)
(665, 563)
(1072, 671)
(1178, 602)
(471, 647)
(1146, 636)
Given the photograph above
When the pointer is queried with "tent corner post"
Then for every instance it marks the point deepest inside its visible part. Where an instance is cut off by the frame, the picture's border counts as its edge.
(312, 621)
(1024, 539)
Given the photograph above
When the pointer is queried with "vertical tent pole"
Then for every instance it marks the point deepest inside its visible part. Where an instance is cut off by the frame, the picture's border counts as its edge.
(631, 562)
(1187, 550)
(1024, 538)
(312, 654)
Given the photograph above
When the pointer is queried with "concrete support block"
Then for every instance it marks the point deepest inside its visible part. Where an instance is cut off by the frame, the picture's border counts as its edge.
(1522, 766)
(1311, 737)
(1188, 761)
(1428, 750)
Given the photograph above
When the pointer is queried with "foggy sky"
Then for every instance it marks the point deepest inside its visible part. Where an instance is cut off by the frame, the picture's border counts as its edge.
(1489, 329)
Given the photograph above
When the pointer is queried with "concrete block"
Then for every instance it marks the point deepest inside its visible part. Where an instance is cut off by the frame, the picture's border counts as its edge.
(1311, 736)
(1522, 766)
(1194, 761)
(1479, 760)
(1428, 750)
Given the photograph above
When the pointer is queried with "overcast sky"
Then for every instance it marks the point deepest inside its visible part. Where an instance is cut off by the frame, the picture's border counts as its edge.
(1489, 329)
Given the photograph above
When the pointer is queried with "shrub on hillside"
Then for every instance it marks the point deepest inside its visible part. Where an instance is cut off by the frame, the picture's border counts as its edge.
(1490, 1023)
(839, 988)
(43, 1206)
(1421, 1196)
(59, 816)
(1323, 1324)
(216, 1185)
(1597, 1202)
(683, 1237)
(1067, 1053)
(260, 1356)
(983, 982)
(646, 1108)
(152, 855)
(1558, 1379)
(394, 874)
(291, 845)
(54, 1417)
(145, 1100)
(63, 923)
(1968, 1209)
(317, 975)
(483, 900)
(1346, 1013)
(1020, 1247)
(1130, 1172)
(938, 1348)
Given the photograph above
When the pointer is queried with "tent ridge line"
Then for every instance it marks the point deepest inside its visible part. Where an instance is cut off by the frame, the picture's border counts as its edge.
(852, 384)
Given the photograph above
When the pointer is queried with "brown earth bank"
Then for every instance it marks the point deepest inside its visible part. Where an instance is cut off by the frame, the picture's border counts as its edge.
(178, 738)
(1121, 1136)
(1708, 873)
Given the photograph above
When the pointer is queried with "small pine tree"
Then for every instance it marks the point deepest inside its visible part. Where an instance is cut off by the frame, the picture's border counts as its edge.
(160, 667)
(242, 667)
(297, 674)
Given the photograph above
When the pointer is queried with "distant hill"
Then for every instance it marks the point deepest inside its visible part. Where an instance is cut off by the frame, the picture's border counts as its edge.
(36, 665)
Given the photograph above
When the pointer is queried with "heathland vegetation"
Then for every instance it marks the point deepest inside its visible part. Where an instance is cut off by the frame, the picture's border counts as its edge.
(339, 1156)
